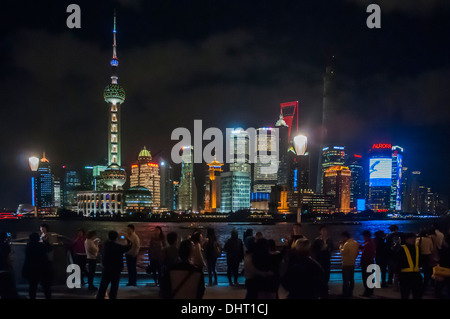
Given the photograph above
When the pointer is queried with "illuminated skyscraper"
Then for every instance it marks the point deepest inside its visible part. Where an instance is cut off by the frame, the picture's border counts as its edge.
(265, 172)
(57, 191)
(44, 185)
(396, 181)
(385, 177)
(187, 190)
(145, 173)
(114, 176)
(336, 182)
(212, 191)
(235, 191)
(70, 187)
(289, 112)
(330, 156)
(167, 188)
(356, 165)
(412, 201)
(283, 138)
(239, 151)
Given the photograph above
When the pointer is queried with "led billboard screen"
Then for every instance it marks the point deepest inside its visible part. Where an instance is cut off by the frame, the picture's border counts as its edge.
(360, 205)
(380, 172)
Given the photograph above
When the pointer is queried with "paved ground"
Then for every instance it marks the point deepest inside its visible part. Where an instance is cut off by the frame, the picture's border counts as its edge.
(146, 289)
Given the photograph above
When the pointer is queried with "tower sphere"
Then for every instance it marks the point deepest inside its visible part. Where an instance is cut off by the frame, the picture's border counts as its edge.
(114, 94)
(114, 176)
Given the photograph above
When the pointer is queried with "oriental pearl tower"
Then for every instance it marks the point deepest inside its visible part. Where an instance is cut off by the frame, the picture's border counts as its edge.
(114, 176)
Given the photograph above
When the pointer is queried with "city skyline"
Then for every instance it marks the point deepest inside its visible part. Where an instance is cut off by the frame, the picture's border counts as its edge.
(239, 109)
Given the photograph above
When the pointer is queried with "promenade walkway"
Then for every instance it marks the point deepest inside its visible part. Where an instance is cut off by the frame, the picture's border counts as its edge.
(146, 289)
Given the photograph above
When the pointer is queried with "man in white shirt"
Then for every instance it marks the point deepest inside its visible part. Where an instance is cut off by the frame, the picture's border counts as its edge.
(91, 247)
(132, 254)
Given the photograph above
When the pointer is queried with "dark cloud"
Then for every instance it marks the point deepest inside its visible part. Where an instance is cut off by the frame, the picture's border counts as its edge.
(414, 7)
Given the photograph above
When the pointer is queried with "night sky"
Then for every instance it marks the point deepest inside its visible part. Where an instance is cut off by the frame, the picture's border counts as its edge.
(229, 63)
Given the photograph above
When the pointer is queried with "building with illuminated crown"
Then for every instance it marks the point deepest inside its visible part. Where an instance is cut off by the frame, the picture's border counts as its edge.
(330, 156)
(212, 189)
(145, 173)
(43, 185)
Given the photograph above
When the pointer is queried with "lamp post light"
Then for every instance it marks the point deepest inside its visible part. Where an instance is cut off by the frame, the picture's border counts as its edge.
(33, 161)
(300, 146)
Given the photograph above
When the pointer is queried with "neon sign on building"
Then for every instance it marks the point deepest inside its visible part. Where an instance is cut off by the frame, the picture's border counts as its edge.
(381, 146)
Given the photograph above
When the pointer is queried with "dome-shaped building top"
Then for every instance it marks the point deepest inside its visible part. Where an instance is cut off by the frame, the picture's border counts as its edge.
(144, 153)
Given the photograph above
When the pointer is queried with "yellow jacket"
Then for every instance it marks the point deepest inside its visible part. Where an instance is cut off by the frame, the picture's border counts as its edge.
(349, 252)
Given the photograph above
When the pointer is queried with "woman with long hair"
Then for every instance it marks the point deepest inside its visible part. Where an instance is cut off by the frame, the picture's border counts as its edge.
(156, 246)
(212, 251)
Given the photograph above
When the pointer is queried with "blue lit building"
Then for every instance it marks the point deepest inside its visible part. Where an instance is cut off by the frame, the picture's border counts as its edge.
(357, 194)
(385, 178)
(43, 185)
(396, 181)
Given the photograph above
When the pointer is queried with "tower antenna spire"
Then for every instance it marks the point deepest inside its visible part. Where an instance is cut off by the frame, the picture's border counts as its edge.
(114, 36)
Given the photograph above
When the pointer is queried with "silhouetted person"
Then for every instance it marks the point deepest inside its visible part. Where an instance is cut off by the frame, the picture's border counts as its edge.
(260, 272)
(79, 252)
(170, 253)
(367, 258)
(156, 246)
(321, 250)
(37, 268)
(212, 251)
(132, 255)
(442, 282)
(183, 280)
(304, 278)
(197, 254)
(92, 250)
(394, 242)
(410, 279)
(381, 255)
(235, 254)
(426, 248)
(249, 239)
(112, 265)
(7, 282)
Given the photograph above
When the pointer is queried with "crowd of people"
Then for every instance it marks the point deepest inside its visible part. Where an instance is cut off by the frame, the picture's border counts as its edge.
(299, 268)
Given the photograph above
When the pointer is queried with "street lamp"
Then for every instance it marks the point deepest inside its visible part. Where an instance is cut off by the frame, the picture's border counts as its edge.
(33, 161)
(300, 144)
